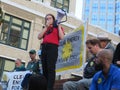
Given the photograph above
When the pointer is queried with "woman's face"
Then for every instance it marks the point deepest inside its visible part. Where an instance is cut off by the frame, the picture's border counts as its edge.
(92, 48)
(49, 19)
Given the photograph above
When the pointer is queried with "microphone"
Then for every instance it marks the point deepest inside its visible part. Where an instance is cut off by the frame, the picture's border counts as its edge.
(60, 14)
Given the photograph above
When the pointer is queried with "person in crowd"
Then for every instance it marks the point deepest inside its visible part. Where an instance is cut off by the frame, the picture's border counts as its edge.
(116, 56)
(90, 69)
(51, 34)
(105, 42)
(40, 63)
(33, 67)
(1, 87)
(37, 82)
(19, 66)
(33, 64)
(109, 76)
(39, 53)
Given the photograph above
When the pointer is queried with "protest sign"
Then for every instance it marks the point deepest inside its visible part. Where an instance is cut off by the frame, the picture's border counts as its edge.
(70, 51)
(13, 79)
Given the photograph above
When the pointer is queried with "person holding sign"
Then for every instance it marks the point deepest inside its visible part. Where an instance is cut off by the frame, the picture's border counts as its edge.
(33, 66)
(116, 56)
(19, 66)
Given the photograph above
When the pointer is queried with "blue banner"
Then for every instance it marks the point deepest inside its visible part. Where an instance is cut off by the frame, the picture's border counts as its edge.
(70, 51)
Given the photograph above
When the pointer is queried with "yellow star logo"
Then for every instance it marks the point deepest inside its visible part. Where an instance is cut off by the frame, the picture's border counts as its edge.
(67, 50)
(99, 80)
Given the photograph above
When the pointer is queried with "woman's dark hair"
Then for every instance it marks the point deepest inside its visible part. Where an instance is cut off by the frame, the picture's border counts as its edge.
(50, 15)
(93, 42)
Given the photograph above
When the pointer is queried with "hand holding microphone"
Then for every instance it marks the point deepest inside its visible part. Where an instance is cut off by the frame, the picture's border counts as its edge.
(47, 23)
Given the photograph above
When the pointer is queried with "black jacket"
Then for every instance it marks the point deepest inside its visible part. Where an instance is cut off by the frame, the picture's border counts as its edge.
(91, 68)
(116, 56)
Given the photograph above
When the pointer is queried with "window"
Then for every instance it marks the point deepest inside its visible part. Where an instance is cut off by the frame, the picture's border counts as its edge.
(117, 7)
(95, 1)
(117, 19)
(111, 0)
(110, 8)
(102, 7)
(110, 20)
(15, 32)
(102, 1)
(87, 1)
(117, 29)
(6, 65)
(102, 19)
(64, 4)
(86, 13)
(95, 7)
(94, 19)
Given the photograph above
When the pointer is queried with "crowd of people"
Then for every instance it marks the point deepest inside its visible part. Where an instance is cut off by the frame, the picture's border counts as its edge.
(90, 69)
(101, 71)
(32, 80)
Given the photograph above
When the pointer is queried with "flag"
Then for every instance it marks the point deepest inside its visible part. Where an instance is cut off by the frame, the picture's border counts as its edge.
(70, 51)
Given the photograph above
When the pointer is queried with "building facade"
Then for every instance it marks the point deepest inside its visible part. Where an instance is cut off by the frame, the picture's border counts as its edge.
(103, 13)
(24, 19)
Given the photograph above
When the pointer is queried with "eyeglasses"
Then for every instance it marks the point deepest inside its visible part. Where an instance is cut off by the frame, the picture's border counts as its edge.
(48, 18)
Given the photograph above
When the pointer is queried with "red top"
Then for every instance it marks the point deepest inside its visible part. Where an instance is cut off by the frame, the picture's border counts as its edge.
(51, 36)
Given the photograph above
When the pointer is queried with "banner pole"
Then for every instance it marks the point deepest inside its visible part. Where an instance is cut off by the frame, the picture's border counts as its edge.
(85, 38)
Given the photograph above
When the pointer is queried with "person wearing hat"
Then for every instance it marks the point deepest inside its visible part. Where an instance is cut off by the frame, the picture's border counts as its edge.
(33, 66)
(36, 81)
(105, 42)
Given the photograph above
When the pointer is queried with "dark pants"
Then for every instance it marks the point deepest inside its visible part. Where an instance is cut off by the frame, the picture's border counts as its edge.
(37, 82)
(49, 58)
(25, 81)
